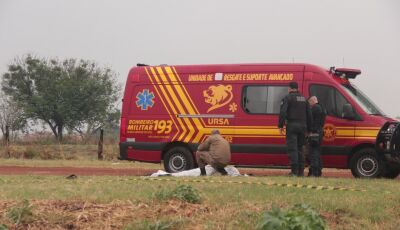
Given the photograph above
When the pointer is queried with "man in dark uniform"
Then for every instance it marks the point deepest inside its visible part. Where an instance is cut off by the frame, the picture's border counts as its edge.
(295, 114)
(318, 115)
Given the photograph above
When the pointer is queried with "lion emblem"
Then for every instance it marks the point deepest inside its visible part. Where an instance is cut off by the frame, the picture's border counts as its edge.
(218, 96)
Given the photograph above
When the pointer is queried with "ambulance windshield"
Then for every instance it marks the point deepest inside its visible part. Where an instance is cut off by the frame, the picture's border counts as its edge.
(368, 106)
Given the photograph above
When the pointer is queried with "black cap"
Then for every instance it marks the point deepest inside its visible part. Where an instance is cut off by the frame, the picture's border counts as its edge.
(293, 85)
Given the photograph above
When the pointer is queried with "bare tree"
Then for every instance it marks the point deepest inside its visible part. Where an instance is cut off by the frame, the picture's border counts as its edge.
(89, 127)
(10, 115)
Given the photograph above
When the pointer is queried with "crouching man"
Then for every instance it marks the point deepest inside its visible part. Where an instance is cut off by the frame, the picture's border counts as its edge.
(215, 151)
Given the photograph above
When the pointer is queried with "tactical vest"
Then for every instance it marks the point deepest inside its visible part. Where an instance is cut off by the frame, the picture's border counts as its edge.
(297, 107)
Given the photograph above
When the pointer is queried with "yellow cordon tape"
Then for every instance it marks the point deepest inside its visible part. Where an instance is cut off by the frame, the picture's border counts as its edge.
(169, 179)
(326, 188)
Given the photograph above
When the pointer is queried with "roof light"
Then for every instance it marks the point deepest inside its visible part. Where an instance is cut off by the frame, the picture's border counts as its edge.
(348, 73)
(345, 72)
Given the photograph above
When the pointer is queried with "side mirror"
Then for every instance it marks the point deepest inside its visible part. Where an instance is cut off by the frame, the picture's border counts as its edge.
(348, 112)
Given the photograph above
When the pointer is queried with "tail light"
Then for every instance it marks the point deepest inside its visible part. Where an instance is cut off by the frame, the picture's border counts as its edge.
(122, 137)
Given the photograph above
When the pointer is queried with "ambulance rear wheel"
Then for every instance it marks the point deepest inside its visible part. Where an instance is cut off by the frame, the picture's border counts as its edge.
(178, 159)
(367, 164)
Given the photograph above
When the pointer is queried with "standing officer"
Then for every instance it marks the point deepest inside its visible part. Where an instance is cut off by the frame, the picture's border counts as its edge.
(315, 138)
(295, 114)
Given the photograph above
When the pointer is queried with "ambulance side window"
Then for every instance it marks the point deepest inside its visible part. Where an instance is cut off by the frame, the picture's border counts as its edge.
(330, 98)
(263, 99)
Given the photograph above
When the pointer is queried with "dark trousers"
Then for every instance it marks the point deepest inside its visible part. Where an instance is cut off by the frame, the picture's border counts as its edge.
(295, 139)
(315, 157)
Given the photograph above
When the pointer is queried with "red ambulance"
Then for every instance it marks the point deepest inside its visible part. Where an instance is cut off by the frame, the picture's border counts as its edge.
(168, 110)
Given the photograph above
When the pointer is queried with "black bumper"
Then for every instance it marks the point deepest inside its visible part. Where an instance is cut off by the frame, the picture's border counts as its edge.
(388, 141)
(123, 151)
(393, 157)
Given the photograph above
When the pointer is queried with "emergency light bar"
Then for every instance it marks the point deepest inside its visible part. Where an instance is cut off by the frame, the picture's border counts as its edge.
(345, 72)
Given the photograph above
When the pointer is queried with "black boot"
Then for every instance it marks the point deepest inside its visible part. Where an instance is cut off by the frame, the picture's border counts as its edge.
(294, 171)
(316, 172)
(319, 172)
(222, 171)
(300, 172)
(310, 172)
(203, 171)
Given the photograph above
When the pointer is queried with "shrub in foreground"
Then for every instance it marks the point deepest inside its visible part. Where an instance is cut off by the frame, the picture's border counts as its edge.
(184, 193)
(299, 217)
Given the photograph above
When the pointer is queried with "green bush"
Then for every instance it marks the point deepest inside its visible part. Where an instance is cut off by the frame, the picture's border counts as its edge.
(20, 213)
(3, 227)
(299, 217)
(184, 193)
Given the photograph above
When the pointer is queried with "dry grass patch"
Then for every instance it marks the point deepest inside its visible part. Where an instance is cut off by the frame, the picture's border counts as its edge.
(92, 163)
(171, 214)
(58, 151)
(78, 214)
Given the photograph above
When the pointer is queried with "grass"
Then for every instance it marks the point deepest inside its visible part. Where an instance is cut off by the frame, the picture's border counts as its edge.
(224, 205)
(182, 192)
(78, 163)
(67, 155)
(20, 213)
(59, 151)
(155, 225)
(127, 203)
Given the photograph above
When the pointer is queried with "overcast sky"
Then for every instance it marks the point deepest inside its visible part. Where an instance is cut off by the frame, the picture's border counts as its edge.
(362, 34)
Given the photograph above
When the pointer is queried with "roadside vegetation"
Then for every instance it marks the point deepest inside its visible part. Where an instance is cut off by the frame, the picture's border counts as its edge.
(66, 155)
(132, 203)
(59, 152)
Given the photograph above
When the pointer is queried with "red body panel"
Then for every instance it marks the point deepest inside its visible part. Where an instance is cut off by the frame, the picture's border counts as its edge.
(146, 156)
(182, 104)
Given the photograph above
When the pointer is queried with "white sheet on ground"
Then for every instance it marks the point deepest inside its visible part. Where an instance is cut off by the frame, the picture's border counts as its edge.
(232, 171)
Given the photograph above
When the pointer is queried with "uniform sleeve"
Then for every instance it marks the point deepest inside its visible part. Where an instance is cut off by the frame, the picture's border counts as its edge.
(309, 118)
(283, 112)
(205, 145)
(317, 117)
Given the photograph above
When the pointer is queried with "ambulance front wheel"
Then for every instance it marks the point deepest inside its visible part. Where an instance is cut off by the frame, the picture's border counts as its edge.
(178, 159)
(367, 164)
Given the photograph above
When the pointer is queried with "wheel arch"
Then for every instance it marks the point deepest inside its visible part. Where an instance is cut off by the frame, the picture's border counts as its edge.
(357, 148)
(174, 144)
